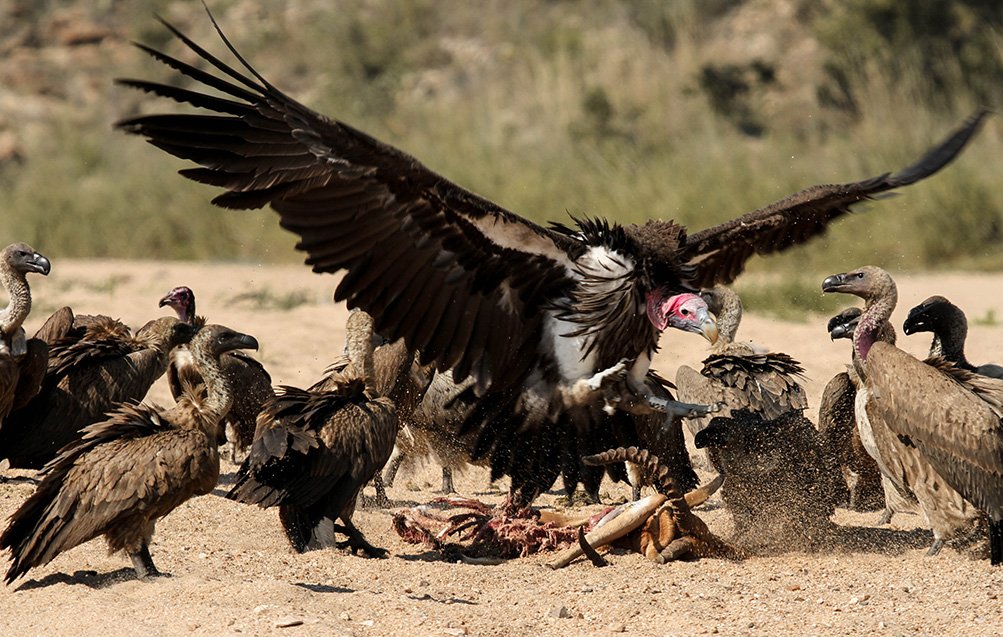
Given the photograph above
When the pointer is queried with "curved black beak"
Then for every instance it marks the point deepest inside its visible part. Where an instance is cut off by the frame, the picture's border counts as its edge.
(39, 264)
(834, 283)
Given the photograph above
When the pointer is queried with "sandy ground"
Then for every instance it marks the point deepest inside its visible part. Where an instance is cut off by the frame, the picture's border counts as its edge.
(232, 571)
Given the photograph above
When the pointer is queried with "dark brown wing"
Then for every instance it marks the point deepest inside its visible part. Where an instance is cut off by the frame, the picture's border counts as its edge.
(457, 276)
(57, 326)
(316, 449)
(720, 252)
(134, 465)
(767, 384)
(32, 370)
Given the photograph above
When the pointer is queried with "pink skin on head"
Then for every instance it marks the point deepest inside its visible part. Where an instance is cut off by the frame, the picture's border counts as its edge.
(660, 308)
(181, 300)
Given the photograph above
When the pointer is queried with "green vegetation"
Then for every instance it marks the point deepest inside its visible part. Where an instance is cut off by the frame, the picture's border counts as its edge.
(628, 110)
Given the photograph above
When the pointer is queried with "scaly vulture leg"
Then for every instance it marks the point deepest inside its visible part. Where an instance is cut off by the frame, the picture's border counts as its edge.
(142, 561)
(355, 540)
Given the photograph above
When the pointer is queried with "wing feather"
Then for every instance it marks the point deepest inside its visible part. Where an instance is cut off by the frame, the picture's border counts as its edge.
(356, 202)
(722, 250)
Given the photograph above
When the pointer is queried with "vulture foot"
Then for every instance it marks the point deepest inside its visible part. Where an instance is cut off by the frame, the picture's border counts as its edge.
(356, 542)
(676, 409)
(935, 547)
(142, 561)
(447, 481)
(886, 517)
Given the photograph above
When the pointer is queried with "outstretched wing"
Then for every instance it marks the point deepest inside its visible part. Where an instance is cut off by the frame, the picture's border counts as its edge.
(457, 276)
(720, 252)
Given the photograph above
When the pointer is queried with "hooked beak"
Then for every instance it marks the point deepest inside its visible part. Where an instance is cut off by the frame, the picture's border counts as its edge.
(834, 283)
(40, 264)
(706, 326)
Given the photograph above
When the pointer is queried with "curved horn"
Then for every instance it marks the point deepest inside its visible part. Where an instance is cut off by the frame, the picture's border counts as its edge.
(633, 516)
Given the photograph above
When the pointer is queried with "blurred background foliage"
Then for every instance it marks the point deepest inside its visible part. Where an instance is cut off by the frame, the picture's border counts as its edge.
(694, 110)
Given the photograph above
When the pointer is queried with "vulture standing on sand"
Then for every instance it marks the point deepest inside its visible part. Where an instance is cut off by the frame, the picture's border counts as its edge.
(314, 450)
(95, 362)
(22, 361)
(905, 467)
(251, 384)
(128, 471)
(950, 330)
(534, 314)
(837, 426)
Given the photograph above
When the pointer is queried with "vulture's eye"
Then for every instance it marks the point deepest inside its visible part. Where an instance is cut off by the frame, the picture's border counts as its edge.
(860, 275)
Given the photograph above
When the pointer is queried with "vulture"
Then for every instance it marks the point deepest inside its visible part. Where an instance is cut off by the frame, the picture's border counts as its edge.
(22, 361)
(905, 468)
(315, 449)
(95, 362)
(126, 472)
(950, 329)
(250, 382)
(954, 417)
(535, 315)
(837, 426)
(436, 427)
(740, 374)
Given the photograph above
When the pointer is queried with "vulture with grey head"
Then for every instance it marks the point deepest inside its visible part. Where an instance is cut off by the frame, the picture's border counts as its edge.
(837, 426)
(950, 330)
(129, 470)
(22, 360)
(315, 449)
(251, 384)
(533, 314)
(95, 363)
(905, 468)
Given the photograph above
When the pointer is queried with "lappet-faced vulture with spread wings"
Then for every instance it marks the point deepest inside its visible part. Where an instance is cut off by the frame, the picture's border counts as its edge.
(532, 313)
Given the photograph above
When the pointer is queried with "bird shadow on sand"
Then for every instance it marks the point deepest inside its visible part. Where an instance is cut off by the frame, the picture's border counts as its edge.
(323, 588)
(90, 579)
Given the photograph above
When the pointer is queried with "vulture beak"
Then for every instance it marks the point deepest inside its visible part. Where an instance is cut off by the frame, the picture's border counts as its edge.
(839, 331)
(39, 264)
(245, 341)
(916, 322)
(834, 283)
(689, 313)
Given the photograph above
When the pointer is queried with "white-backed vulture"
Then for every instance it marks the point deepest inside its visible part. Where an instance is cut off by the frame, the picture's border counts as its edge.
(315, 449)
(22, 361)
(532, 313)
(738, 373)
(95, 364)
(837, 426)
(252, 385)
(780, 485)
(950, 330)
(128, 471)
(903, 465)
(953, 417)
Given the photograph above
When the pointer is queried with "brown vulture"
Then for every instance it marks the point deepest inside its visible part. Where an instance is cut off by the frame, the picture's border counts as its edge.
(315, 449)
(251, 383)
(950, 329)
(129, 470)
(532, 313)
(739, 373)
(905, 467)
(22, 361)
(837, 426)
(95, 362)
